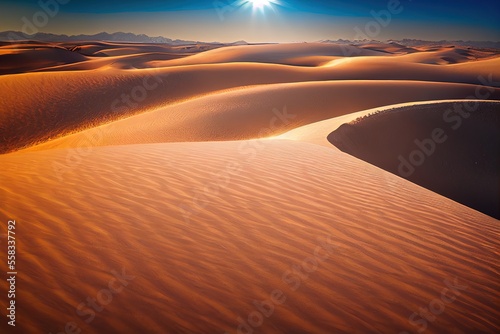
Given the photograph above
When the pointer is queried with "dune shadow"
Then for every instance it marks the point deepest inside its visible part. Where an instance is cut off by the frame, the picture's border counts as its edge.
(439, 146)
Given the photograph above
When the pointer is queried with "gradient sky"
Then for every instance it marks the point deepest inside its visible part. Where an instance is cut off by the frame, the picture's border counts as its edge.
(283, 21)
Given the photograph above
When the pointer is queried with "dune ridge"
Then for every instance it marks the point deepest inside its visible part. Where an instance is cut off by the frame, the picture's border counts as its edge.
(64, 103)
(437, 145)
(259, 111)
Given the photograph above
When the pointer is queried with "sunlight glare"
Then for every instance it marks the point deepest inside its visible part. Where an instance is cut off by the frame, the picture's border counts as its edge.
(259, 3)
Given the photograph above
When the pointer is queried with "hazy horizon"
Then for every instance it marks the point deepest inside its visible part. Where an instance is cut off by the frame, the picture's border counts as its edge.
(278, 21)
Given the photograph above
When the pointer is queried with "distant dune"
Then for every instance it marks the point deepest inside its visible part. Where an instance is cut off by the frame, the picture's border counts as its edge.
(287, 54)
(39, 56)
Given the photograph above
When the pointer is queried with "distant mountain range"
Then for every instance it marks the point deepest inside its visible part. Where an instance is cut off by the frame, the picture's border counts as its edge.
(103, 36)
(142, 38)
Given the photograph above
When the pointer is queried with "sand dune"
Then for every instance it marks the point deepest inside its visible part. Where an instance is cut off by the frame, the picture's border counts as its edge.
(286, 54)
(19, 58)
(258, 112)
(450, 55)
(39, 56)
(391, 48)
(134, 61)
(27, 59)
(206, 231)
(75, 100)
(126, 207)
(436, 55)
(317, 133)
(405, 67)
(436, 146)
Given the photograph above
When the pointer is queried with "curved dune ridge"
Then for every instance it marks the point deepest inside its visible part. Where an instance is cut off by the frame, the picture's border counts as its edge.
(317, 133)
(258, 111)
(203, 178)
(437, 145)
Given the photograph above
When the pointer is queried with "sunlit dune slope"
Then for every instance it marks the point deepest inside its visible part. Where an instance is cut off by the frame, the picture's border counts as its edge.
(71, 101)
(436, 55)
(450, 148)
(317, 132)
(78, 56)
(259, 111)
(206, 230)
(391, 48)
(286, 54)
(449, 56)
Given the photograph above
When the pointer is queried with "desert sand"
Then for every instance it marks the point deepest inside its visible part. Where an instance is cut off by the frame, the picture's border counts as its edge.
(425, 129)
(209, 177)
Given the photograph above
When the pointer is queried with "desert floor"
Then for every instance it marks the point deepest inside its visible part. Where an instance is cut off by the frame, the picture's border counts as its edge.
(250, 189)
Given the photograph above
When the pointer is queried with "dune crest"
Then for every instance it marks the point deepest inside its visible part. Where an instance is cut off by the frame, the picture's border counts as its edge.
(259, 111)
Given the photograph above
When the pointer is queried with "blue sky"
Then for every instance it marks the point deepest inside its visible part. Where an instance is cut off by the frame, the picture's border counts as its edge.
(282, 21)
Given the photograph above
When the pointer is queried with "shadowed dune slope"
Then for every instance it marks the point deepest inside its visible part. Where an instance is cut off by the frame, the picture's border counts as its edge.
(259, 111)
(34, 57)
(450, 148)
(317, 133)
(393, 48)
(209, 229)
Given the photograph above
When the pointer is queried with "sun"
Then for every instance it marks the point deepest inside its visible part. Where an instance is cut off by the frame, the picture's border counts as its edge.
(260, 3)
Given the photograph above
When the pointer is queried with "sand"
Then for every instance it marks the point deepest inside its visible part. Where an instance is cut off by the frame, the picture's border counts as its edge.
(438, 144)
(212, 189)
(255, 112)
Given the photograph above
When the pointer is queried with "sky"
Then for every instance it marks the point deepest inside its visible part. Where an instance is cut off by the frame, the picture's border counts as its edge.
(277, 21)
